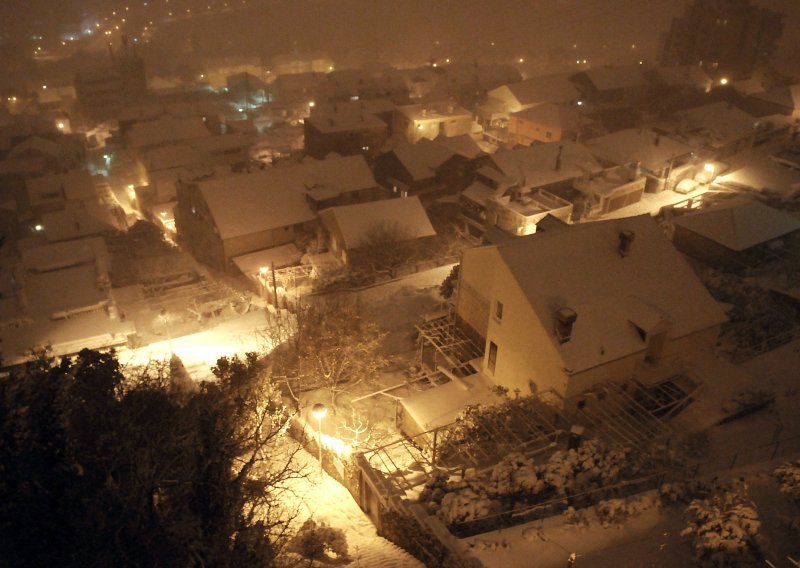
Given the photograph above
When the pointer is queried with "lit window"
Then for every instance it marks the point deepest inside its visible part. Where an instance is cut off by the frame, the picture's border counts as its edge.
(498, 310)
(492, 362)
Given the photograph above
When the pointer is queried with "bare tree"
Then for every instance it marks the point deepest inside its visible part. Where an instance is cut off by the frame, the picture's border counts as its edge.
(336, 347)
(386, 247)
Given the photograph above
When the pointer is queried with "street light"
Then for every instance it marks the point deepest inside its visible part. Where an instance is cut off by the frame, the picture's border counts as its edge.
(319, 411)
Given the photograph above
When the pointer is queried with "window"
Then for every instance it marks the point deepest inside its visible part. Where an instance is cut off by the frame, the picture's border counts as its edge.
(492, 362)
(548, 135)
(498, 310)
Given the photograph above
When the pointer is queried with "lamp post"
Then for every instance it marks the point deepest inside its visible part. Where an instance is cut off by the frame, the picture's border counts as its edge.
(319, 411)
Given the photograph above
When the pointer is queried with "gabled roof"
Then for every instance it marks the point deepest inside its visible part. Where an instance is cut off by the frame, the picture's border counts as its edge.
(75, 185)
(739, 224)
(464, 145)
(723, 120)
(37, 145)
(788, 96)
(653, 150)
(422, 158)
(546, 89)
(535, 166)
(356, 221)
(249, 203)
(551, 115)
(580, 268)
(75, 222)
(169, 157)
(166, 131)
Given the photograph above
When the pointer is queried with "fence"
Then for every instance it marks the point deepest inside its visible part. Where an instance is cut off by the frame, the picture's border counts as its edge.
(779, 450)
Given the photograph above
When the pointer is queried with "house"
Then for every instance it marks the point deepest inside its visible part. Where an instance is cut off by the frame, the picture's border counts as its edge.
(344, 133)
(733, 234)
(780, 100)
(498, 201)
(226, 217)
(52, 153)
(606, 87)
(412, 168)
(611, 189)
(552, 166)
(63, 301)
(592, 303)
(470, 83)
(228, 150)
(556, 89)
(355, 229)
(53, 192)
(663, 160)
(719, 128)
(297, 87)
(143, 136)
(430, 120)
(546, 122)
(80, 220)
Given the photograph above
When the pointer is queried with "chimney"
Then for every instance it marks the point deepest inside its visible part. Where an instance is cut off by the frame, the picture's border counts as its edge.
(565, 319)
(625, 241)
(558, 158)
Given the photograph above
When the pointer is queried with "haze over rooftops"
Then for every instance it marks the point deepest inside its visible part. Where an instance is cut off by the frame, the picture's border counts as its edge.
(739, 224)
(166, 130)
(612, 78)
(581, 268)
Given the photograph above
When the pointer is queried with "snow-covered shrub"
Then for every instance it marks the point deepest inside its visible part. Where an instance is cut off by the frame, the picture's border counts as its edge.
(613, 511)
(723, 528)
(788, 475)
(515, 477)
(576, 517)
(320, 542)
(683, 492)
(468, 504)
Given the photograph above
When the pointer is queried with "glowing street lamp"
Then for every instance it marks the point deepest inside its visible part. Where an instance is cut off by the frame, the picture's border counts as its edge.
(319, 411)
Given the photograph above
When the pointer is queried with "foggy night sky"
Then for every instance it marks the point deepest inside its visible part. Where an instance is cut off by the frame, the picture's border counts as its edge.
(400, 32)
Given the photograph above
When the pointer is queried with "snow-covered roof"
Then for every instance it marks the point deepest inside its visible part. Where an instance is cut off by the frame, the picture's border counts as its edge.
(356, 221)
(169, 157)
(77, 221)
(165, 131)
(653, 150)
(441, 405)
(248, 203)
(464, 145)
(551, 115)
(613, 78)
(723, 120)
(535, 166)
(422, 158)
(580, 268)
(75, 185)
(546, 89)
(739, 224)
(36, 145)
(278, 257)
(65, 276)
(479, 193)
(434, 111)
(223, 142)
(788, 96)
(343, 122)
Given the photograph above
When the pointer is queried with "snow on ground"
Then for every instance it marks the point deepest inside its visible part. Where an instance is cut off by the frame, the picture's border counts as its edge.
(325, 500)
(648, 538)
(200, 351)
